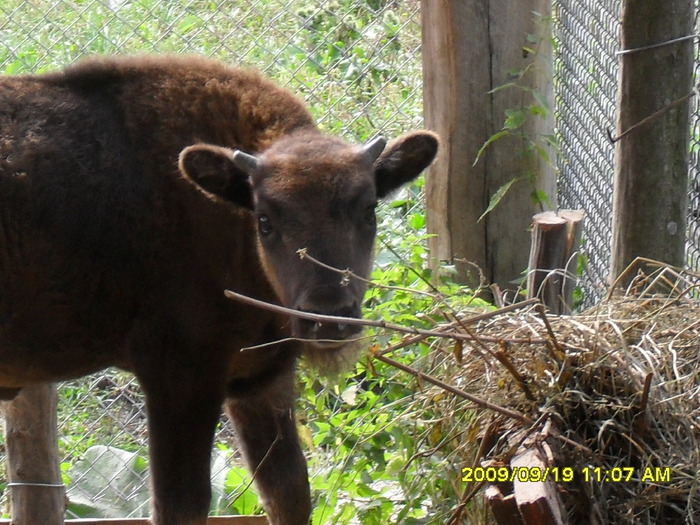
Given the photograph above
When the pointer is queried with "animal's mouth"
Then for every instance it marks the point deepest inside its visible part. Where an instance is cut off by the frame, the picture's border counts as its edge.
(326, 335)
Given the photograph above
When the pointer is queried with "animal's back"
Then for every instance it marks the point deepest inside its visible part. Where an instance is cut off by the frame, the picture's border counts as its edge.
(95, 221)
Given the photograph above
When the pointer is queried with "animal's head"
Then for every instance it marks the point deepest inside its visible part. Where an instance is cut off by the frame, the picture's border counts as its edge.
(316, 194)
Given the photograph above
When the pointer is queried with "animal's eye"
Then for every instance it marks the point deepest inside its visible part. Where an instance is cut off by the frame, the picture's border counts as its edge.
(369, 215)
(264, 225)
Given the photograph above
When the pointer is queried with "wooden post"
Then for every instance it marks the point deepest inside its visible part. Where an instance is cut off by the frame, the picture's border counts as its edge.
(38, 495)
(512, 24)
(469, 50)
(550, 276)
(456, 105)
(651, 159)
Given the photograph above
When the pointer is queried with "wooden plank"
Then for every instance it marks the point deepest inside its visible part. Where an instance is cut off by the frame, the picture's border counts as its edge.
(36, 490)
(651, 160)
(538, 502)
(504, 508)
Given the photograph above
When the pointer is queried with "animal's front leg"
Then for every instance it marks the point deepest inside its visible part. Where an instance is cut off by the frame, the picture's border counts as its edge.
(181, 426)
(267, 432)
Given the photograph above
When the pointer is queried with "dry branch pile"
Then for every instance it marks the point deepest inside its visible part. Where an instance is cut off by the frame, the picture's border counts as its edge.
(608, 399)
(614, 392)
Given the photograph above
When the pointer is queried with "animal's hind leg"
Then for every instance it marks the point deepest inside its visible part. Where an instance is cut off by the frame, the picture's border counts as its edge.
(267, 432)
(182, 418)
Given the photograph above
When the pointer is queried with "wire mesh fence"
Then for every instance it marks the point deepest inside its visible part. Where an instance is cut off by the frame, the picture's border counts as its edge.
(586, 80)
(356, 63)
(694, 179)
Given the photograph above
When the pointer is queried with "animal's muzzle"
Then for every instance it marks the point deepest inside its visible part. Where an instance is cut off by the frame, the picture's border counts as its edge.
(324, 333)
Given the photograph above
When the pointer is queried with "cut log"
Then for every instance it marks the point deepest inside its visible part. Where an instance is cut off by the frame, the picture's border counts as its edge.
(555, 239)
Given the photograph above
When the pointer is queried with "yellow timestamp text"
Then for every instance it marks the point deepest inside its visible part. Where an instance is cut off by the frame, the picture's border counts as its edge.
(502, 474)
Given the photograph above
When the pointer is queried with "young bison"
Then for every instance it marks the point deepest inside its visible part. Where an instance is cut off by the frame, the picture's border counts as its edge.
(110, 255)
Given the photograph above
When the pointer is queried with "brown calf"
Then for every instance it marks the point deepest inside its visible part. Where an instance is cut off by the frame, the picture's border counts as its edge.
(110, 255)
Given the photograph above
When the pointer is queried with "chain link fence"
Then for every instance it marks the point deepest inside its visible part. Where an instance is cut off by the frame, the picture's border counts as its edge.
(586, 85)
(356, 62)
(694, 189)
(358, 65)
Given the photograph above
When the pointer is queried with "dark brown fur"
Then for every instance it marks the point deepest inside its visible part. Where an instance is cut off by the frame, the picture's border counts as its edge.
(111, 256)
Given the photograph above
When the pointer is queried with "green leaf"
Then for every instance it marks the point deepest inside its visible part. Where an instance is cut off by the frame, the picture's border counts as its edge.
(515, 118)
(493, 138)
(539, 197)
(537, 111)
(496, 197)
(417, 221)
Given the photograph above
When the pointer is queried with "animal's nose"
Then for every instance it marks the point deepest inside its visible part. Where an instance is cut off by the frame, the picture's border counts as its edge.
(330, 330)
(329, 300)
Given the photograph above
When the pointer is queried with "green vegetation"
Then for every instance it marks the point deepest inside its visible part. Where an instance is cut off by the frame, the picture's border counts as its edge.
(377, 452)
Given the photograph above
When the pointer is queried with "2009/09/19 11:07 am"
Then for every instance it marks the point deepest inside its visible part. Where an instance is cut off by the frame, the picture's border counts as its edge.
(502, 474)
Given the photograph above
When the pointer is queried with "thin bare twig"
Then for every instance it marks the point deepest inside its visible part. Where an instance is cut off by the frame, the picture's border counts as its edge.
(319, 318)
(456, 391)
(503, 358)
(650, 118)
(471, 320)
(478, 343)
(348, 274)
(557, 350)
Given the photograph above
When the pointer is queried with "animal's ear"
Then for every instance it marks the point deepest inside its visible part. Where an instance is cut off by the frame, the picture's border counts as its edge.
(220, 171)
(403, 160)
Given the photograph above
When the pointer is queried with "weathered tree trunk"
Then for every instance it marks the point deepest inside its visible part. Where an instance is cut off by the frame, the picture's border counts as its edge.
(651, 160)
(38, 495)
(469, 50)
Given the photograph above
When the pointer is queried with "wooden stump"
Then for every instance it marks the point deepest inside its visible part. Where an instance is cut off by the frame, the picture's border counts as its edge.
(555, 239)
(37, 493)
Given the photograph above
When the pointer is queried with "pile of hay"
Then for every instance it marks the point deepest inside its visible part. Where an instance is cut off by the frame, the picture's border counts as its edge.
(615, 391)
